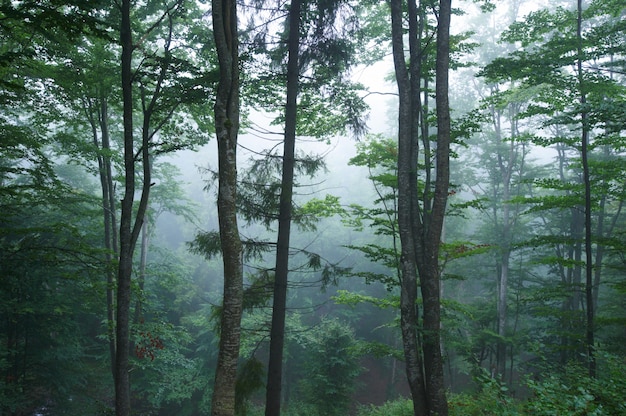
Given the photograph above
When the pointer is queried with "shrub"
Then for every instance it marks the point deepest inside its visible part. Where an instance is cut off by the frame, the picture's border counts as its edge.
(398, 407)
(575, 393)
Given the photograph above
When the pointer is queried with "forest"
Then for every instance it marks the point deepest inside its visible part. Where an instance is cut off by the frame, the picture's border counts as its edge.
(312, 207)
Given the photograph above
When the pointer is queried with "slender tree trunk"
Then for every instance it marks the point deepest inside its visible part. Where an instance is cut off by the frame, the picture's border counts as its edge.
(502, 310)
(141, 278)
(122, 381)
(429, 272)
(421, 238)
(110, 226)
(571, 276)
(130, 222)
(604, 232)
(506, 173)
(587, 183)
(224, 14)
(277, 335)
(406, 222)
(98, 119)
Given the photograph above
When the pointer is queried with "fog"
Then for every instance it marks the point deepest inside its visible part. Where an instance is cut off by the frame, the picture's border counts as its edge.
(531, 263)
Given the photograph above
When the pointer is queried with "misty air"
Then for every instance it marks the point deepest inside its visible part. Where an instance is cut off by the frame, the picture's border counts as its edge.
(312, 208)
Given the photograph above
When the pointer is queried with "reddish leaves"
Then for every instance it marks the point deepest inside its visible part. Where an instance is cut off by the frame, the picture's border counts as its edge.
(148, 345)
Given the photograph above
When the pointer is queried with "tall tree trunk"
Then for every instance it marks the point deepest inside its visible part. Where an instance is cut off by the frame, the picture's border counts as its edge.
(130, 222)
(571, 276)
(141, 278)
(429, 270)
(110, 226)
(277, 335)
(224, 14)
(587, 183)
(122, 381)
(406, 183)
(97, 114)
(506, 167)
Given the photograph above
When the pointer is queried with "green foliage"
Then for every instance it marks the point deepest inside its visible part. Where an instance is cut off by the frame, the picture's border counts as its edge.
(250, 378)
(322, 208)
(259, 291)
(330, 367)
(345, 297)
(50, 264)
(376, 153)
(379, 156)
(259, 191)
(206, 244)
(330, 39)
(168, 195)
(491, 399)
(400, 407)
(171, 373)
(573, 392)
(489, 402)
(168, 378)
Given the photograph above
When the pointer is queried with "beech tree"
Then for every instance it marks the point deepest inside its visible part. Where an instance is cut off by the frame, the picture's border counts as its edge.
(224, 14)
(568, 60)
(420, 218)
(160, 95)
(502, 162)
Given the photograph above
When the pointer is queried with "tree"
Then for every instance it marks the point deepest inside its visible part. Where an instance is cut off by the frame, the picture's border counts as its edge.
(317, 55)
(502, 158)
(52, 221)
(160, 96)
(129, 229)
(575, 100)
(420, 225)
(380, 156)
(84, 83)
(407, 179)
(80, 78)
(331, 367)
(50, 266)
(584, 150)
(431, 239)
(277, 335)
(500, 162)
(224, 14)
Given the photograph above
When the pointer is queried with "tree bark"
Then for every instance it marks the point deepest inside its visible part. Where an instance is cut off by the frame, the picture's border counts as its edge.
(110, 225)
(407, 158)
(429, 269)
(224, 14)
(122, 381)
(591, 361)
(421, 229)
(506, 166)
(277, 334)
(571, 276)
(141, 278)
(97, 114)
(130, 222)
